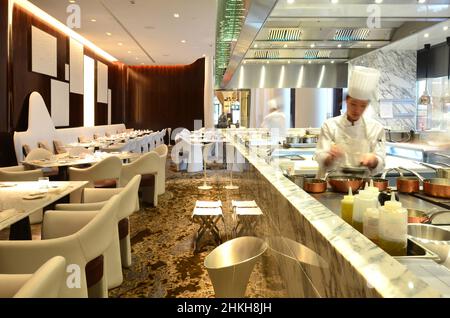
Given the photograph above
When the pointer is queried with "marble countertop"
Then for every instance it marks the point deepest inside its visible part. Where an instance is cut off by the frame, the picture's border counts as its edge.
(380, 270)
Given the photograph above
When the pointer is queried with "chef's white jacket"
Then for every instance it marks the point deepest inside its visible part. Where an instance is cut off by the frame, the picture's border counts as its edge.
(364, 136)
(275, 120)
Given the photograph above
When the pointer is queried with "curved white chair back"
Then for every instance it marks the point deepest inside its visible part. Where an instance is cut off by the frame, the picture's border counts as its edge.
(129, 198)
(230, 264)
(146, 164)
(26, 175)
(162, 151)
(108, 168)
(46, 281)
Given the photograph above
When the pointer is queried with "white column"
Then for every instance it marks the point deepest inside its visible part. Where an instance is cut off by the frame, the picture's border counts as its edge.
(312, 106)
(209, 93)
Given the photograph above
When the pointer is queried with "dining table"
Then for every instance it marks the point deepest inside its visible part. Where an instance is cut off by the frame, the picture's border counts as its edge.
(18, 200)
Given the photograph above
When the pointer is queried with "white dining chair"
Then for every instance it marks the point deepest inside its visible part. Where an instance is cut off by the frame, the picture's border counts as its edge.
(95, 199)
(44, 283)
(81, 237)
(105, 173)
(162, 152)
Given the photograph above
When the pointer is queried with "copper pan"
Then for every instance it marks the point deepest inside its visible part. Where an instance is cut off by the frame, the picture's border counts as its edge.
(343, 183)
(313, 185)
(435, 187)
(408, 184)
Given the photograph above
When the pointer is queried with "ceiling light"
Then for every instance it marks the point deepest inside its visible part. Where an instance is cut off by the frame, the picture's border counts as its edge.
(142, 63)
(421, 1)
(369, 45)
(290, 1)
(108, 33)
(137, 58)
(289, 62)
(309, 62)
(426, 35)
(445, 28)
(72, 1)
(129, 52)
(120, 44)
(285, 46)
(312, 45)
(334, 1)
(255, 46)
(93, 20)
(183, 41)
(267, 62)
(332, 62)
(339, 45)
(378, 1)
(245, 62)
(176, 15)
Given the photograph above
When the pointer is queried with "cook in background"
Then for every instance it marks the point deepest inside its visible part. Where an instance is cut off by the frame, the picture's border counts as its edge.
(275, 120)
(350, 140)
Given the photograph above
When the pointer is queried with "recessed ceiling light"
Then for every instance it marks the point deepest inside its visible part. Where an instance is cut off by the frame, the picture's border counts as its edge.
(255, 46)
(290, 1)
(108, 33)
(142, 63)
(183, 41)
(267, 62)
(309, 62)
(130, 52)
(93, 20)
(120, 44)
(72, 1)
(339, 45)
(332, 62)
(176, 15)
(334, 1)
(445, 28)
(289, 62)
(312, 45)
(285, 46)
(204, 55)
(369, 45)
(421, 1)
(426, 35)
(137, 58)
(378, 1)
(245, 62)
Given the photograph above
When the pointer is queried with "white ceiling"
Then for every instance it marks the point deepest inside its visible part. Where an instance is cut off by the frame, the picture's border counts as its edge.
(147, 29)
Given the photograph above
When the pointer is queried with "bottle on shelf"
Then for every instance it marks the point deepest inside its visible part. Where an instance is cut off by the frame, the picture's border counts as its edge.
(393, 228)
(347, 207)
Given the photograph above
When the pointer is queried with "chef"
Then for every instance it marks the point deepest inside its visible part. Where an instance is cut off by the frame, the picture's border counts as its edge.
(350, 140)
(275, 120)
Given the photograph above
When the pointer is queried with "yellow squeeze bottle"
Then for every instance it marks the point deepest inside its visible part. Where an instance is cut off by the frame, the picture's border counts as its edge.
(347, 207)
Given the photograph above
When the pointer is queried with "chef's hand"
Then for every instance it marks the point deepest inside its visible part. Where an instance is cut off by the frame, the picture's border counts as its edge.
(334, 153)
(369, 160)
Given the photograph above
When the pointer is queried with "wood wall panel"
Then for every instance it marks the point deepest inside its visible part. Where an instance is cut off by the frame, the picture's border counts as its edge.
(165, 96)
(3, 65)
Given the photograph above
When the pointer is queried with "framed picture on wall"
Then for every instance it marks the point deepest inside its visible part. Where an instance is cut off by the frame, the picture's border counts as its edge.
(44, 52)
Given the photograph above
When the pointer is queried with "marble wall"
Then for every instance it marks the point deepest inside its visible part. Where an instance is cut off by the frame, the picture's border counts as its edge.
(397, 85)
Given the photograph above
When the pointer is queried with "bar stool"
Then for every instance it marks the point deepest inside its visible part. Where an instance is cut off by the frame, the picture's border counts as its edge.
(245, 215)
(207, 214)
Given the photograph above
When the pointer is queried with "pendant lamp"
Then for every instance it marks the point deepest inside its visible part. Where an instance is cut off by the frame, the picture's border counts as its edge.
(425, 99)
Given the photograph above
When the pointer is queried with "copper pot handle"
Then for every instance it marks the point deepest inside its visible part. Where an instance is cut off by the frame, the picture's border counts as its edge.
(383, 176)
(434, 214)
(413, 172)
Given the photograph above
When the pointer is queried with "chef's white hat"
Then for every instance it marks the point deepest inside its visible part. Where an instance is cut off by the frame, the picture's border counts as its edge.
(363, 82)
(273, 105)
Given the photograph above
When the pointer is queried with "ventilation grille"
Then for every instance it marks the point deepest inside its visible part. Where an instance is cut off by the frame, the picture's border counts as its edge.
(267, 54)
(283, 34)
(317, 54)
(351, 34)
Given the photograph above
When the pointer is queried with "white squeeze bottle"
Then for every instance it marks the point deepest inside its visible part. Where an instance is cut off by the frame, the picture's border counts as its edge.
(372, 188)
(363, 201)
(393, 227)
(371, 224)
